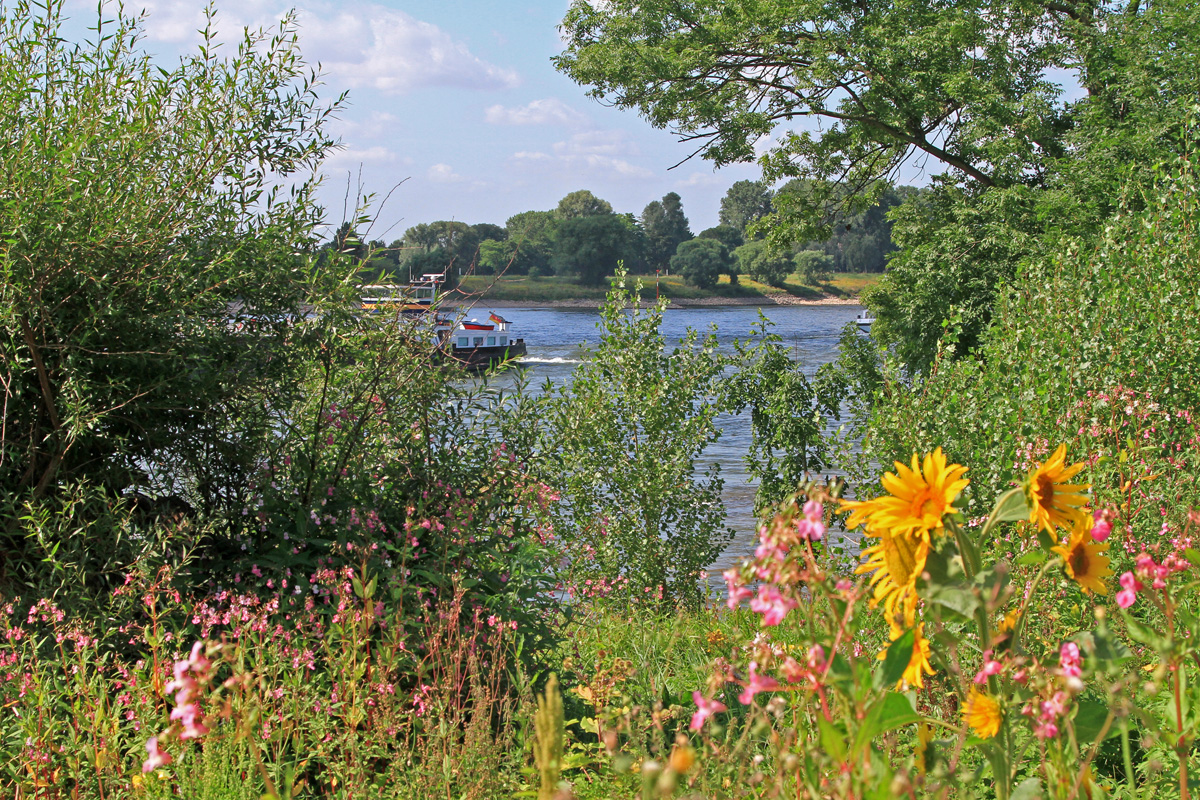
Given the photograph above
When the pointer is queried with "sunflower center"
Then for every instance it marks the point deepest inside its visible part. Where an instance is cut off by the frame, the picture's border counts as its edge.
(1079, 561)
(926, 507)
(1045, 485)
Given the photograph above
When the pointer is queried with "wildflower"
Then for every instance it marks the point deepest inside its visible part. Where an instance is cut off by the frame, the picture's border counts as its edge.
(1054, 503)
(756, 684)
(1130, 586)
(158, 758)
(772, 604)
(1101, 524)
(982, 714)
(918, 663)
(1084, 560)
(896, 563)
(737, 592)
(990, 667)
(918, 497)
(812, 527)
(705, 708)
(1008, 621)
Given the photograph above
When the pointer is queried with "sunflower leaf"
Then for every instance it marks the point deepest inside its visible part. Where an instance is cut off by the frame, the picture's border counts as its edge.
(962, 602)
(891, 711)
(899, 654)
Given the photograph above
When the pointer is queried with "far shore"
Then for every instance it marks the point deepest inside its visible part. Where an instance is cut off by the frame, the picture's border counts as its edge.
(780, 299)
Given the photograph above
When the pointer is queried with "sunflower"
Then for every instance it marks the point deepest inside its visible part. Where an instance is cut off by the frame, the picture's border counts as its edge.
(1084, 560)
(983, 714)
(897, 561)
(1053, 502)
(918, 497)
(918, 664)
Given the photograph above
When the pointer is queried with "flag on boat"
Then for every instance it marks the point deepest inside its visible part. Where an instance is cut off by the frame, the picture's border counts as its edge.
(496, 318)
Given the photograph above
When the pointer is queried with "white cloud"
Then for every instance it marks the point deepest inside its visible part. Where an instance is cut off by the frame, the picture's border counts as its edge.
(549, 111)
(377, 125)
(372, 46)
(443, 173)
(701, 179)
(606, 143)
(351, 157)
(393, 52)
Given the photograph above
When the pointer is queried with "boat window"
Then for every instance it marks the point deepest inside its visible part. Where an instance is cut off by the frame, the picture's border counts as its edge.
(478, 341)
(463, 341)
(503, 340)
(491, 341)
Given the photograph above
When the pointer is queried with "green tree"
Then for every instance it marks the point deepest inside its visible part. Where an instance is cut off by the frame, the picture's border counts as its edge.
(762, 263)
(589, 248)
(745, 203)
(813, 266)
(788, 413)
(969, 87)
(582, 203)
(625, 437)
(665, 227)
(701, 261)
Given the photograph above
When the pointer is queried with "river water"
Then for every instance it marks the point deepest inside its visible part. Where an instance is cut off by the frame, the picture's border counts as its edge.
(556, 338)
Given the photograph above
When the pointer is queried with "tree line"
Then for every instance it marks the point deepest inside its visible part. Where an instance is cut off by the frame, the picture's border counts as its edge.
(583, 238)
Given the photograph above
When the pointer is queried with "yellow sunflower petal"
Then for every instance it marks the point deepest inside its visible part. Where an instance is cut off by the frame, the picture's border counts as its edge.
(983, 714)
(1084, 560)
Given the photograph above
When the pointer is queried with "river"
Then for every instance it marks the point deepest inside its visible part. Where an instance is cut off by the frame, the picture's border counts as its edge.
(555, 338)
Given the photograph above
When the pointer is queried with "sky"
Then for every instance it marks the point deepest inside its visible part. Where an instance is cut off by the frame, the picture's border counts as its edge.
(456, 106)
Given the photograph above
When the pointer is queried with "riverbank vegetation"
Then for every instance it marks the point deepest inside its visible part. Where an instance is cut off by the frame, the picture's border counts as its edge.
(844, 286)
(248, 552)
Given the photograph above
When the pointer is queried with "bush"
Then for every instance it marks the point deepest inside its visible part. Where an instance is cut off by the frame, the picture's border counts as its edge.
(701, 261)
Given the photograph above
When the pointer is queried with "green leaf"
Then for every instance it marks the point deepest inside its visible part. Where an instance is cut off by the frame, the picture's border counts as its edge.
(1144, 635)
(962, 602)
(1012, 506)
(1089, 720)
(1029, 789)
(899, 654)
(1032, 558)
(890, 712)
(833, 739)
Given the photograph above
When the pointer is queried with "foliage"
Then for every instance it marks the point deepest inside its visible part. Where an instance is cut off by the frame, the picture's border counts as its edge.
(140, 203)
(701, 261)
(582, 203)
(745, 203)
(788, 413)
(589, 247)
(666, 228)
(1075, 332)
(626, 435)
(758, 260)
(814, 267)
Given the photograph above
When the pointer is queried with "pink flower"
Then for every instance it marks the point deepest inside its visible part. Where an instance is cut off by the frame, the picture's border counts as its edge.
(705, 708)
(1046, 730)
(772, 605)
(737, 592)
(812, 527)
(1101, 525)
(1130, 586)
(158, 758)
(756, 684)
(1069, 661)
(990, 667)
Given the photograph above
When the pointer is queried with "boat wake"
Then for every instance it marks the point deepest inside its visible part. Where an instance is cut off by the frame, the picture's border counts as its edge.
(554, 360)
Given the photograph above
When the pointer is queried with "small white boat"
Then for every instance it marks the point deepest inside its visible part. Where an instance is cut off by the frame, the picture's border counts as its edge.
(864, 321)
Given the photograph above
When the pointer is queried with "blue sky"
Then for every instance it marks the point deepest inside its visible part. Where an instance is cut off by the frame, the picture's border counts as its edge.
(459, 97)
